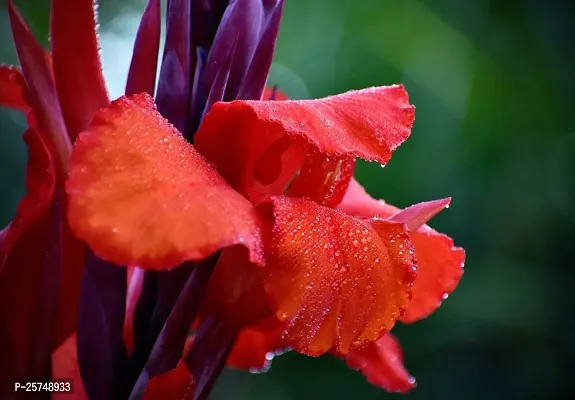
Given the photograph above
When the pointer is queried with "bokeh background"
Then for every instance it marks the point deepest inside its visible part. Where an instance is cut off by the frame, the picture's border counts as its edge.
(493, 83)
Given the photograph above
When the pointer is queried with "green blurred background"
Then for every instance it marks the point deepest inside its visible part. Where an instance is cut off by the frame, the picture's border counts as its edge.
(493, 85)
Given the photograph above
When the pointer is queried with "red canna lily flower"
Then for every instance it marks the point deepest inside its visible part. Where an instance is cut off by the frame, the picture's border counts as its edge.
(237, 215)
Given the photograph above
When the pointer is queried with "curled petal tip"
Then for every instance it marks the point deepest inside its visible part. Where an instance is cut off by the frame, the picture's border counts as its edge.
(417, 215)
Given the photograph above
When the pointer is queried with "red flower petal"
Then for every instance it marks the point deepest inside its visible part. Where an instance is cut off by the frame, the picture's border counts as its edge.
(440, 266)
(42, 92)
(273, 94)
(368, 123)
(22, 252)
(176, 384)
(77, 68)
(40, 181)
(336, 281)
(256, 346)
(65, 367)
(141, 195)
(439, 262)
(142, 74)
(323, 179)
(382, 364)
(13, 92)
(235, 291)
(415, 216)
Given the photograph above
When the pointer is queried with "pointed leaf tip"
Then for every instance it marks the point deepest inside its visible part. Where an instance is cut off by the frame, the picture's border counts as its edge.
(173, 92)
(43, 97)
(77, 67)
(142, 73)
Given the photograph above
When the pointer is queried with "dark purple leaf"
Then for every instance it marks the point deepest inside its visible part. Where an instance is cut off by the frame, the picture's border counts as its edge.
(142, 73)
(43, 96)
(207, 356)
(198, 96)
(218, 84)
(168, 348)
(254, 83)
(145, 306)
(101, 350)
(169, 284)
(173, 93)
(39, 364)
(247, 35)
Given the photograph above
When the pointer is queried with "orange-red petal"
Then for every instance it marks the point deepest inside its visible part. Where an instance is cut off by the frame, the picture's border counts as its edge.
(77, 67)
(257, 345)
(381, 363)
(273, 94)
(13, 93)
(367, 123)
(336, 281)
(40, 183)
(440, 263)
(235, 291)
(139, 194)
(65, 367)
(322, 178)
(176, 384)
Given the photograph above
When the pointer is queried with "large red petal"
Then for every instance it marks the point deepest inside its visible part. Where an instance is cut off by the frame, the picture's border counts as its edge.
(368, 123)
(77, 68)
(440, 263)
(141, 195)
(381, 363)
(13, 93)
(337, 282)
(42, 97)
